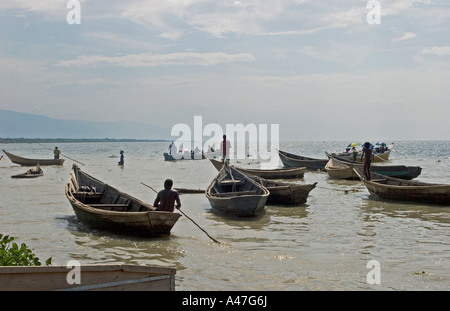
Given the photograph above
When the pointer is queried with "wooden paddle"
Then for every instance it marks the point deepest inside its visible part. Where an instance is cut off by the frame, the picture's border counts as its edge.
(187, 217)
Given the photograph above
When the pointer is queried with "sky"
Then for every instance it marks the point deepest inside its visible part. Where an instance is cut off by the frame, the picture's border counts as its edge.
(320, 70)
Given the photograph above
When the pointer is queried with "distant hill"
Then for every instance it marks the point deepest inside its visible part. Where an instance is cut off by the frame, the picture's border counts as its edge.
(16, 125)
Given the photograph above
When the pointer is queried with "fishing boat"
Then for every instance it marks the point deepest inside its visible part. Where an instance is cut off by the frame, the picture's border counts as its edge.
(92, 278)
(380, 153)
(278, 173)
(391, 188)
(100, 206)
(233, 193)
(31, 173)
(32, 162)
(342, 169)
(283, 193)
(293, 160)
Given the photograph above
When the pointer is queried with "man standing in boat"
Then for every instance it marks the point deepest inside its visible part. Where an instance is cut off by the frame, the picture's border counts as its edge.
(56, 153)
(367, 154)
(225, 148)
(165, 200)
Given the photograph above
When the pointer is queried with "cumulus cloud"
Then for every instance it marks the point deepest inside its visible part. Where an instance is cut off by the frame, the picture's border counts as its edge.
(436, 50)
(405, 36)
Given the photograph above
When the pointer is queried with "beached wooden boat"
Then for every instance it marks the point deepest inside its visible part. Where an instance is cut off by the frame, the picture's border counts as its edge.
(31, 173)
(293, 160)
(100, 206)
(278, 173)
(32, 162)
(391, 188)
(342, 169)
(232, 192)
(92, 278)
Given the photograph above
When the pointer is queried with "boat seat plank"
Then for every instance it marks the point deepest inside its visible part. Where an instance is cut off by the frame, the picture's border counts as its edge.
(230, 194)
(230, 182)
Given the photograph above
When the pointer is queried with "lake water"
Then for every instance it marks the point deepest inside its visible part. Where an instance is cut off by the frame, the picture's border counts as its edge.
(324, 244)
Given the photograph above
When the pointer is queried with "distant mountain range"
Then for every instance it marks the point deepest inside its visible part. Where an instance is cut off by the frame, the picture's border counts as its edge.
(23, 125)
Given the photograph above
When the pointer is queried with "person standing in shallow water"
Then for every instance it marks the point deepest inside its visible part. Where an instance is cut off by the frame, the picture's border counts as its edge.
(225, 146)
(165, 200)
(367, 155)
(121, 162)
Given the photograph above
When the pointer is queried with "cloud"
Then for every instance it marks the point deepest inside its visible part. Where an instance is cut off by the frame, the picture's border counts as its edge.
(151, 60)
(438, 51)
(406, 36)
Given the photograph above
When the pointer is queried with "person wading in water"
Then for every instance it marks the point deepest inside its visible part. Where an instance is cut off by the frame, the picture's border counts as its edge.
(367, 154)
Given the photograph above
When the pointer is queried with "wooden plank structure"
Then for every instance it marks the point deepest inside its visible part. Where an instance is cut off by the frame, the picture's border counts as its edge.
(92, 278)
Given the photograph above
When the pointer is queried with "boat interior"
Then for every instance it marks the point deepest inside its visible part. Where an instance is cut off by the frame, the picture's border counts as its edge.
(99, 195)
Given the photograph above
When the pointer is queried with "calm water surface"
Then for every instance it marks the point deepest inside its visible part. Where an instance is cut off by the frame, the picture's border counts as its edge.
(324, 244)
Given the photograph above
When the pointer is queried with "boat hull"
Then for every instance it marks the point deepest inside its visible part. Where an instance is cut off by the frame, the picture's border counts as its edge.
(289, 194)
(401, 190)
(342, 169)
(113, 210)
(279, 173)
(292, 160)
(32, 162)
(234, 193)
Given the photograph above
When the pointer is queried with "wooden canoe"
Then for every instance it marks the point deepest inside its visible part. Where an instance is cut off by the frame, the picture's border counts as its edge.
(100, 206)
(283, 193)
(32, 162)
(342, 169)
(31, 173)
(293, 160)
(234, 193)
(278, 173)
(391, 188)
(339, 170)
(91, 277)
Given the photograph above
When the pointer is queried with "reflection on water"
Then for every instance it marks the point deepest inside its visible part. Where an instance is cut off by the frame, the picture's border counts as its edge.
(324, 244)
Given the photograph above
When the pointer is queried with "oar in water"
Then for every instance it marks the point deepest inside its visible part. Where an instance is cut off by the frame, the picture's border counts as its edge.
(187, 217)
(61, 154)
